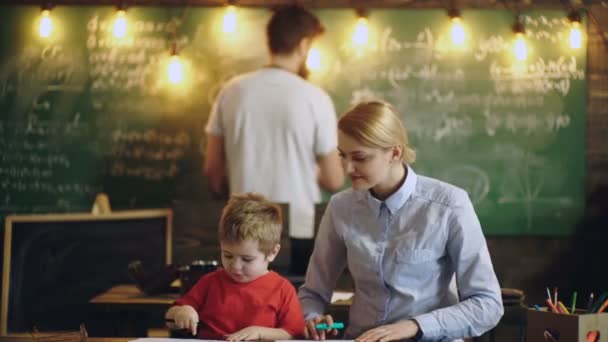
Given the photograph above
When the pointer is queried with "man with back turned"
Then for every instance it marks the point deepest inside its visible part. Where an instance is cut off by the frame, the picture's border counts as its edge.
(272, 132)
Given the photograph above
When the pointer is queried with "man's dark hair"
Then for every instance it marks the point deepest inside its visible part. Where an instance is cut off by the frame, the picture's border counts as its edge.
(288, 26)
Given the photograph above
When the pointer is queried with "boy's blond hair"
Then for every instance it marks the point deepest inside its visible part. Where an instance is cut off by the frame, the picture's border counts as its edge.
(251, 217)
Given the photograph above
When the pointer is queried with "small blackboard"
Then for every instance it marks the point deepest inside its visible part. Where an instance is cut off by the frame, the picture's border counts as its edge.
(54, 264)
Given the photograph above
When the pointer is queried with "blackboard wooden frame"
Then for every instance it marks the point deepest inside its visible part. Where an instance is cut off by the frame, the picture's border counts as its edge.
(167, 214)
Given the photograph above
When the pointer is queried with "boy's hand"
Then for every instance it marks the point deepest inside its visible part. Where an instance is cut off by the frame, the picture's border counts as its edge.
(247, 334)
(185, 317)
(310, 332)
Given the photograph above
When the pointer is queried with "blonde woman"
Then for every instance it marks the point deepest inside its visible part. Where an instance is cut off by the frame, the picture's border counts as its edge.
(405, 238)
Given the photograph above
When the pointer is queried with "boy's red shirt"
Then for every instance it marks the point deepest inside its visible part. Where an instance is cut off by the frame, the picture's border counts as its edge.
(225, 306)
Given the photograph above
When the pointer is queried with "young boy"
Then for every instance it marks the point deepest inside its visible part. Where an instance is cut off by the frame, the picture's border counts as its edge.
(243, 300)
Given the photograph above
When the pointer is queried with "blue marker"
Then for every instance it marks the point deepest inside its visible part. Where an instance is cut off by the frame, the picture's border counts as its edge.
(324, 326)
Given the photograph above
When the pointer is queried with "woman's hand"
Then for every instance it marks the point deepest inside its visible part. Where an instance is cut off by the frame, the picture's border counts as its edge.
(390, 332)
(310, 332)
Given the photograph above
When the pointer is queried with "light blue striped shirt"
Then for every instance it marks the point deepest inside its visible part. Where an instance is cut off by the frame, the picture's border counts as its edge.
(403, 254)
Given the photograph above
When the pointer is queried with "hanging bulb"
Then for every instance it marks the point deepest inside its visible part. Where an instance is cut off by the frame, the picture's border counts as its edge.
(313, 60)
(519, 45)
(120, 24)
(229, 22)
(576, 35)
(46, 23)
(361, 34)
(457, 33)
(175, 68)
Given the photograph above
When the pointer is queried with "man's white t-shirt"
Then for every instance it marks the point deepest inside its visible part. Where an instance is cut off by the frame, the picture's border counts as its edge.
(275, 124)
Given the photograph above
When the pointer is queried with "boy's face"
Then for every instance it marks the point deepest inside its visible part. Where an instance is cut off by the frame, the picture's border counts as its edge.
(244, 261)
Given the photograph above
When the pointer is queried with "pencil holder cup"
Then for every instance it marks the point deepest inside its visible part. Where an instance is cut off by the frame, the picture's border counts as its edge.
(547, 326)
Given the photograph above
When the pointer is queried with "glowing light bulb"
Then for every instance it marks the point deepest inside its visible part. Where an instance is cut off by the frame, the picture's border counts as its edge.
(313, 61)
(361, 34)
(229, 24)
(519, 47)
(120, 25)
(46, 24)
(576, 36)
(176, 70)
(457, 31)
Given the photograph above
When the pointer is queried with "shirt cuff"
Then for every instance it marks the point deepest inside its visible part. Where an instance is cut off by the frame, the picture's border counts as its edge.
(419, 333)
(311, 315)
(429, 326)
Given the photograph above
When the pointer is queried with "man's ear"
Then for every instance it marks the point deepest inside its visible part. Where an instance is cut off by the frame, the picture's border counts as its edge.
(273, 254)
(304, 46)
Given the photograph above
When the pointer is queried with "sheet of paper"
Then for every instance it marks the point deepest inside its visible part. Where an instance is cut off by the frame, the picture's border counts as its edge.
(167, 339)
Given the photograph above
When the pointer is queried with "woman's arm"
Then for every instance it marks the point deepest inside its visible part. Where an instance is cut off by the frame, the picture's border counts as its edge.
(326, 264)
(480, 307)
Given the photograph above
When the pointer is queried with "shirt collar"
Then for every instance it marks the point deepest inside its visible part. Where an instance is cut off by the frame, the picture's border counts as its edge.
(395, 201)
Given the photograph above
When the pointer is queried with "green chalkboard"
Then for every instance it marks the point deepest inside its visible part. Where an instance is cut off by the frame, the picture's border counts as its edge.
(82, 112)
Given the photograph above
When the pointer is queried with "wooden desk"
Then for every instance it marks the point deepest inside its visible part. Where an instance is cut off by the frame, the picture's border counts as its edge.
(130, 295)
(91, 339)
(136, 311)
(124, 310)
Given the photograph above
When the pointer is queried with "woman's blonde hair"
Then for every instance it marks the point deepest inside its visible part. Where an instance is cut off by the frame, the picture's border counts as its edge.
(251, 217)
(376, 124)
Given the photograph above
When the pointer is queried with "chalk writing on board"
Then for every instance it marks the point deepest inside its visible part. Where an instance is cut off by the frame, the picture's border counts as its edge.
(143, 153)
(53, 188)
(540, 76)
(131, 64)
(526, 123)
(60, 204)
(557, 68)
(150, 154)
(487, 46)
(471, 178)
(524, 184)
(36, 163)
(158, 173)
(544, 35)
(151, 136)
(542, 21)
(427, 72)
(35, 127)
(24, 171)
(389, 44)
(537, 29)
(363, 95)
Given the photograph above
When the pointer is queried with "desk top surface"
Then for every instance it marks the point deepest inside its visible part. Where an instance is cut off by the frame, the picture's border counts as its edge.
(90, 339)
(130, 294)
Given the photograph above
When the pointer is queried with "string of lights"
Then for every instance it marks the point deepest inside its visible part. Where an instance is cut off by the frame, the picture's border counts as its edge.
(360, 35)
